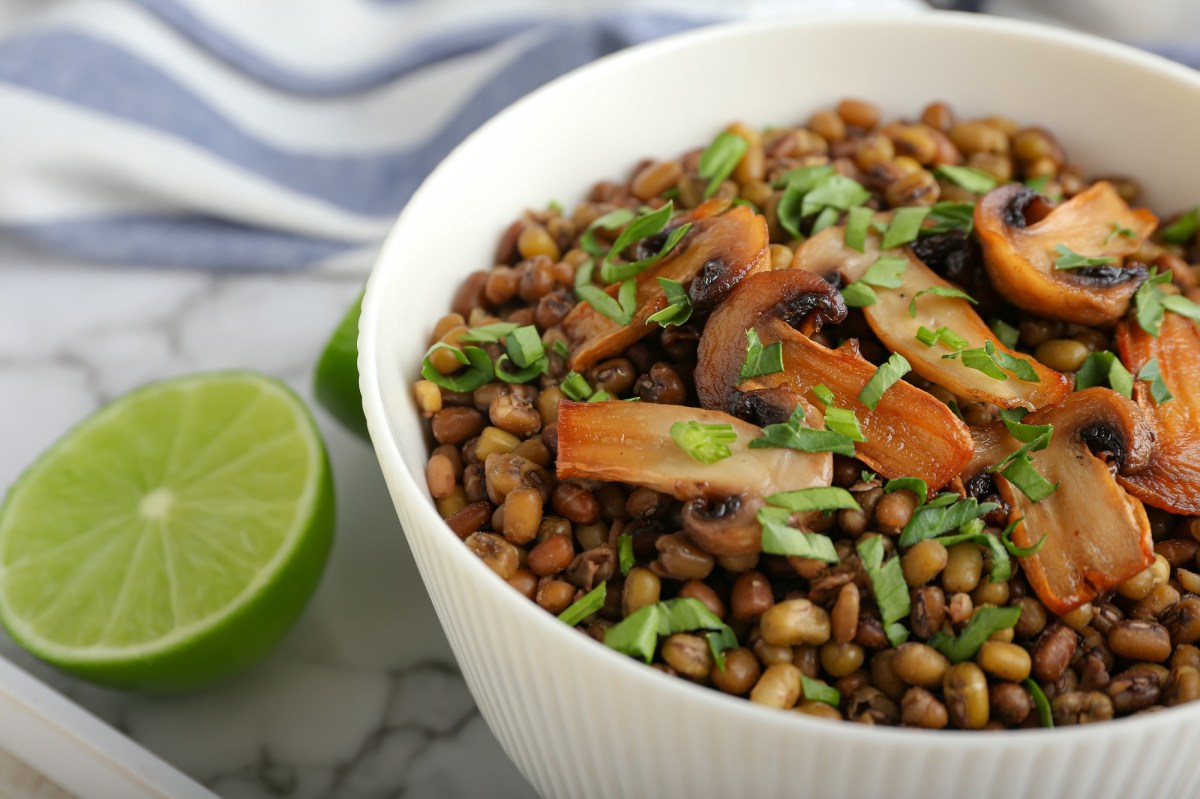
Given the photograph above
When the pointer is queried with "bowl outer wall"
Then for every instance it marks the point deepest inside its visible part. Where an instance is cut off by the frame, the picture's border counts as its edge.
(580, 720)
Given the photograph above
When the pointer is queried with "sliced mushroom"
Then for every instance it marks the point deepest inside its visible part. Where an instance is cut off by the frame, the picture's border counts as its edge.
(1171, 480)
(827, 255)
(1020, 231)
(1096, 535)
(630, 442)
(909, 432)
(715, 254)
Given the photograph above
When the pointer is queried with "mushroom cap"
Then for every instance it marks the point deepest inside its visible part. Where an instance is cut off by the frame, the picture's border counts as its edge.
(724, 527)
(1019, 231)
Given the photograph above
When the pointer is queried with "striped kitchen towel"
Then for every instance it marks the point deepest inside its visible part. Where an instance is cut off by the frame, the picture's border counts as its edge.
(274, 134)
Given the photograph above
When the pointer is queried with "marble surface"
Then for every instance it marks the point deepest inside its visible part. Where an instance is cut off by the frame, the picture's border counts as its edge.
(362, 700)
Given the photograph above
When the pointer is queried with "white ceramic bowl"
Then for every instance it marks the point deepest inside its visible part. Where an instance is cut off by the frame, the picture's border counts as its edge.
(582, 721)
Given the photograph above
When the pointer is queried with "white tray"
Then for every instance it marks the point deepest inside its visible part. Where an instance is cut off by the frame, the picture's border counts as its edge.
(51, 748)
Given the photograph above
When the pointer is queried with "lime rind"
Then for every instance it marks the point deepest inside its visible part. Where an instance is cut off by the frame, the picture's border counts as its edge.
(131, 632)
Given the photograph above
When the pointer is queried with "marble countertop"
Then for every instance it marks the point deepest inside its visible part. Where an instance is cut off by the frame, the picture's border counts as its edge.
(363, 698)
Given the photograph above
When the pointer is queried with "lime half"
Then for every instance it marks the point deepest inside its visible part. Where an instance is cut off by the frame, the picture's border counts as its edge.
(172, 537)
(336, 380)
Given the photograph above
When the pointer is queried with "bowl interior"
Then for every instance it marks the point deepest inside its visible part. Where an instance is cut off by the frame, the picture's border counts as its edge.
(1117, 111)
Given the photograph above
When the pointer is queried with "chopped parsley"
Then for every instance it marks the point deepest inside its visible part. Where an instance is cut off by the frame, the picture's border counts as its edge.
(720, 158)
(637, 634)
(1104, 368)
(706, 443)
(979, 629)
(973, 180)
(778, 538)
(905, 226)
(679, 305)
(886, 272)
(1182, 229)
(857, 223)
(1069, 259)
(480, 371)
(760, 360)
(888, 586)
(1158, 387)
(887, 375)
(648, 224)
(1152, 303)
(939, 291)
(793, 435)
(585, 606)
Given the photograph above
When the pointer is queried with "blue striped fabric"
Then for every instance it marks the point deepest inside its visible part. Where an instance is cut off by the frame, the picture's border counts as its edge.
(224, 135)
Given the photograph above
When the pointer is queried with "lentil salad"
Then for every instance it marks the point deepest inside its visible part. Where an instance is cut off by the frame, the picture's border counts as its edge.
(879, 422)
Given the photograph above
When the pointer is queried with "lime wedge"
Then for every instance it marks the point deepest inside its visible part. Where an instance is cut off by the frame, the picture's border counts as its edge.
(336, 380)
(172, 537)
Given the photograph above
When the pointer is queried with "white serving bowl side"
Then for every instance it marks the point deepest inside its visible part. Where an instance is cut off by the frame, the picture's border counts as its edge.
(582, 721)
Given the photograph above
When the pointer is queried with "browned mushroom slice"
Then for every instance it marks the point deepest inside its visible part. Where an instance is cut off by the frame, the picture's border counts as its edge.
(909, 432)
(1020, 231)
(827, 255)
(1171, 481)
(714, 255)
(630, 442)
(1096, 535)
(897, 329)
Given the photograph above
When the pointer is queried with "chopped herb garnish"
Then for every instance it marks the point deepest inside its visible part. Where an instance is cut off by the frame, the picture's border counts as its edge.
(613, 220)
(619, 310)
(822, 393)
(793, 435)
(637, 635)
(778, 538)
(889, 587)
(575, 386)
(856, 227)
(625, 553)
(480, 371)
(992, 362)
(973, 531)
(1022, 473)
(827, 217)
(648, 224)
(1182, 229)
(1069, 259)
(950, 216)
(819, 498)
(706, 443)
(835, 191)
(1118, 230)
(905, 226)
(819, 691)
(1006, 333)
(973, 180)
(720, 641)
(1039, 183)
(760, 360)
(585, 606)
(1152, 303)
(867, 476)
(524, 345)
(914, 484)
(844, 422)
(812, 189)
(489, 334)
(600, 396)
(936, 518)
(1016, 551)
(979, 629)
(523, 374)
(886, 376)
(939, 291)
(720, 158)
(679, 305)
(1040, 703)
(887, 272)
(1158, 387)
(555, 207)
(747, 203)
(803, 178)
(859, 295)
(560, 348)
(1104, 369)
(943, 335)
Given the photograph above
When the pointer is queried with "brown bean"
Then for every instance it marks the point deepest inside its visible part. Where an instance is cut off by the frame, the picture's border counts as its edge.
(694, 589)
(1005, 661)
(688, 654)
(551, 556)
(841, 659)
(884, 677)
(1081, 707)
(1033, 617)
(795, 621)
(920, 664)
(859, 113)
(499, 555)
(642, 588)
(662, 384)
(869, 705)
(894, 510)
(524, 581)
(655, 178)
(1135, 689)
(472, 517)
(456, 425)
(779, 686)
(964, 566)
(990, 593)
(522, 515)
(844, 617)
(828, 125)
(1140, 640)
(1010, 703)
(1177, 551)
(1161, 601)
(751, 596)
(1053, 653)
(920, 708)
(515, 414)
(1062, 354)
(1183, 623)
(740, 674)
(555, 595)
(616, 376)
(923, 562)
(960, 608)
(938, 115)
(928, 610)
(575, 503)
(966, 693)
(1182, 686)
(807, 658)
(439, 474)
(680, 559)
(590, 536)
